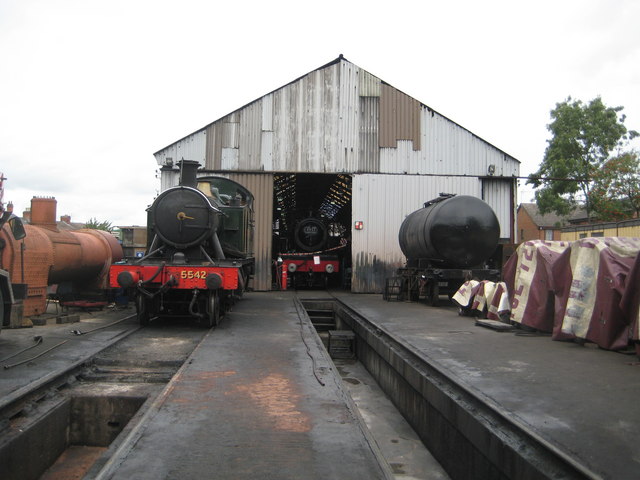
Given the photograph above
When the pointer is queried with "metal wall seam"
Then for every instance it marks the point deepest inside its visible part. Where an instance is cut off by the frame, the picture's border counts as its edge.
(214, 146)
(348, 118)
(369, 151)
(249, 142)
(266, 151)
(267, 113)
(330, 118)
(230, 133)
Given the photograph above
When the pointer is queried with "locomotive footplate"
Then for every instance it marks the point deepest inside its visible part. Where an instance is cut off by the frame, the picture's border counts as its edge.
(311, 263)
(308, 270)
(412, 284)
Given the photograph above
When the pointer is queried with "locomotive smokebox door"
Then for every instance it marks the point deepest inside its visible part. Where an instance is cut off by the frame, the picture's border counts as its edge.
(183, 217)
(311, 234)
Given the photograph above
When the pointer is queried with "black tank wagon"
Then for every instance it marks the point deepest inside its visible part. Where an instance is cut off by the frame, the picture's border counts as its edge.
(453, 238)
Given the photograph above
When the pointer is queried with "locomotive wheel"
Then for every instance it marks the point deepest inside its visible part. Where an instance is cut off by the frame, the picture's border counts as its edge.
(142, 310)
(213, 310)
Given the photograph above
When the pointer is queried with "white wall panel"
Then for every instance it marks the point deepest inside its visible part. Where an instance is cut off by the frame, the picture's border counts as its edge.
(267, 113)
(498, 194)
(192, 147)
(169, 178)
(266, 150)
(230, 159)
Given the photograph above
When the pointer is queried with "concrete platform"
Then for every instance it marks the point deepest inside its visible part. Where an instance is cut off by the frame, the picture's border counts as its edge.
(580, 399)
(253, 401)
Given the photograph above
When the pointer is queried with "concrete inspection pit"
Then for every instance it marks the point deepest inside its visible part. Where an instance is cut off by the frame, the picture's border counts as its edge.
(63, 437)
(469, 437)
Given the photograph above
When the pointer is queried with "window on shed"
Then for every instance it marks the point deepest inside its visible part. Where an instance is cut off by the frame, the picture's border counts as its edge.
(548, 234)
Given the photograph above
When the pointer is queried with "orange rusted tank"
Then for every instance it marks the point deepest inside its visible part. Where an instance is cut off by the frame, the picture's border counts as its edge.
(48, 256)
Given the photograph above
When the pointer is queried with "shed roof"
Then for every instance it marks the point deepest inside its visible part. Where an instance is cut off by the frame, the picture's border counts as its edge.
(333, 62)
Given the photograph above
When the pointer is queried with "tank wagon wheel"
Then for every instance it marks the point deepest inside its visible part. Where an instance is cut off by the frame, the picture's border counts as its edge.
(142, 310)
(213, 310)
(434, 294)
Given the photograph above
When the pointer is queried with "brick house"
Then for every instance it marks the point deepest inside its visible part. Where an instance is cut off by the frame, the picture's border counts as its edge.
(532, 225)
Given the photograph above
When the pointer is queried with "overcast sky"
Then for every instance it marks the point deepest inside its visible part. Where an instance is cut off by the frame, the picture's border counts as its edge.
(89, 90)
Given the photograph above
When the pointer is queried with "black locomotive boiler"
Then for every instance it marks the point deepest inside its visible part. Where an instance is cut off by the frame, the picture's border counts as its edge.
(199, 259)
(453, 238)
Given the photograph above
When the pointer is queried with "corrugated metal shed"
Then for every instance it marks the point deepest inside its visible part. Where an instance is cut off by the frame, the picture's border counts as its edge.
(342, 119)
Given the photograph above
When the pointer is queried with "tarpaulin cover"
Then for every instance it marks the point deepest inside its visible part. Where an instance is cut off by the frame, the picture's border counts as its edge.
(630, 303)
(464, 295)
(589, 281)
(484, 295)
(530, 283)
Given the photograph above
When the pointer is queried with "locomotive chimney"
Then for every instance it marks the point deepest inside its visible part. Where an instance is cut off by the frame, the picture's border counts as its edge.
(188, 173)
(43, 212)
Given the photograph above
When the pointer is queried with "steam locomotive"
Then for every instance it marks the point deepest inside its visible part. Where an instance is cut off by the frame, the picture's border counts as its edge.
(453, 238)
(199, 259)
(314, 259)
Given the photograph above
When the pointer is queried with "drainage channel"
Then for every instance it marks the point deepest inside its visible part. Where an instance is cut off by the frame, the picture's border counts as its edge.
(71, 430)
(398, 443)
(470, 438)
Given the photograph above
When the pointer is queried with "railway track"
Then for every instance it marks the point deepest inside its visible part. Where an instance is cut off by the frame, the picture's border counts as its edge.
(67, 422)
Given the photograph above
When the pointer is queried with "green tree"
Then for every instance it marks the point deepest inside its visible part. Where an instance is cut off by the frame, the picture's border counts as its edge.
(583, 138)
(96, 225)
(616, 191)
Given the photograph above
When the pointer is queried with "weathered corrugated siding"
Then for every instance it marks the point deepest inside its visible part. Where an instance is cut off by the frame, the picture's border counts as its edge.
(499, 194)
(446, 149)
(369, 151)
(169, 177)
(328, 121)
(382, 202)
(399, 118)
(261, 185)
(192, 147)
(369, 84)
(347, 158)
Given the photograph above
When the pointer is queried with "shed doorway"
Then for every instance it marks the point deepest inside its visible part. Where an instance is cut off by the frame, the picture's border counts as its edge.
(311, 231)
